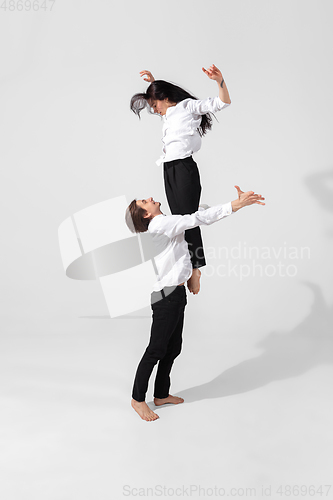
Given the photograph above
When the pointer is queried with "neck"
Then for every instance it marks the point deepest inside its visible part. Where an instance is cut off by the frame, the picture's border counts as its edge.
(160, 213)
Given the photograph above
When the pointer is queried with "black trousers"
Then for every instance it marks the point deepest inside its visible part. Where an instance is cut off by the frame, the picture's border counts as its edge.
(164, 345)
(183, 189)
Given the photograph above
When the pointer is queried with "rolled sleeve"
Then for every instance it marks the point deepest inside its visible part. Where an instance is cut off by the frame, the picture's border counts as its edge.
(209, 105)
(213, 214)
(173, 225)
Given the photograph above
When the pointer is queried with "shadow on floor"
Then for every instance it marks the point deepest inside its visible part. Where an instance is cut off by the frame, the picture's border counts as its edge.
(285, 355)
(320, 186)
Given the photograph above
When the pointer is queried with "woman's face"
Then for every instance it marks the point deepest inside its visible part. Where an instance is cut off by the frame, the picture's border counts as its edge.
(160, 107)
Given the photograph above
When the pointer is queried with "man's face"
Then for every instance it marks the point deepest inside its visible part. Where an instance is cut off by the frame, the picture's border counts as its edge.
(152, 207)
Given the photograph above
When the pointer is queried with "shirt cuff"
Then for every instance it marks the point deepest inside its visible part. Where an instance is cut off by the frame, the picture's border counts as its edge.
(222, 104)
(229, 210)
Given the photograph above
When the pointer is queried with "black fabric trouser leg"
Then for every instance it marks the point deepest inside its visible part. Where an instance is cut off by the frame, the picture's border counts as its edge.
(183, 189)
(164, 345)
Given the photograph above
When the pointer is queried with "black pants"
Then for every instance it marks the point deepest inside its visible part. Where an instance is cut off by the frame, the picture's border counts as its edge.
(183, 189)
(164, 345)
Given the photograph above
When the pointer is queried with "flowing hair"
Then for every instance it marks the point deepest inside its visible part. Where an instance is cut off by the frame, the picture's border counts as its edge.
(160, 90)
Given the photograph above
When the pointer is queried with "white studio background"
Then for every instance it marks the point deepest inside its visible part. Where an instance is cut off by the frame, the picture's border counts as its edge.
(257, 339)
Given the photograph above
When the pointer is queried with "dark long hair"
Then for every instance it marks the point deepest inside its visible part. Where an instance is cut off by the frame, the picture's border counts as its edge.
(160, 90)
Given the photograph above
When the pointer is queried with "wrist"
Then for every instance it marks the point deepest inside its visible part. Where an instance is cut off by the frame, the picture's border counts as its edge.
(236, 205)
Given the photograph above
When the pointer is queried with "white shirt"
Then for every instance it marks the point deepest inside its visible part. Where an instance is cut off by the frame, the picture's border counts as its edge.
(173, 261)
(181, 137)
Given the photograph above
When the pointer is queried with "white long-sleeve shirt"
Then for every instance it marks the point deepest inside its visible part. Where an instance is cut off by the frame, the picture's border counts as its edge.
(173, 261)
(181, 137)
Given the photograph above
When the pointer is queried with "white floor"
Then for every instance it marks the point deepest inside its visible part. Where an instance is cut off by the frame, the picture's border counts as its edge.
(256, 367)
(257, 411)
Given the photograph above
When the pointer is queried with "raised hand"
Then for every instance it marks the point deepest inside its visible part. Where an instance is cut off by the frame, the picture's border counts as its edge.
(149, 76)
(213, 73)
(245, 199)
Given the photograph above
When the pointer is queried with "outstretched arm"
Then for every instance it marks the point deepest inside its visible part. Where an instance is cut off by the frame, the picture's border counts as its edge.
(215, 74)
(149, 76)
(173, 225)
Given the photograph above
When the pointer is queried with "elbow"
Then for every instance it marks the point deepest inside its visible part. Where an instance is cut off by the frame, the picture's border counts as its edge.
(226, 101)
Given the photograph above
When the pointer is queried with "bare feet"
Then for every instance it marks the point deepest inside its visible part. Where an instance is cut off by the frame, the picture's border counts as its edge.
(193, 284)
(170, 399)
(144, 411)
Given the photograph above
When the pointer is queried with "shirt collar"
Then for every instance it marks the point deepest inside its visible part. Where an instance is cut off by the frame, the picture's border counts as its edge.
(152, 223)
(170, 108)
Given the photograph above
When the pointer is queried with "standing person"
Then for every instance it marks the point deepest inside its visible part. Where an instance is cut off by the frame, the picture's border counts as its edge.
(168, 299)
(186, 120)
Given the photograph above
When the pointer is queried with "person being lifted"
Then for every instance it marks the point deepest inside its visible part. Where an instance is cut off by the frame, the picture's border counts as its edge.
(185, 120)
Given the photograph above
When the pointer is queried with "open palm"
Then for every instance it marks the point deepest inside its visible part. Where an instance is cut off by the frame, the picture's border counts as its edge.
(249, 198)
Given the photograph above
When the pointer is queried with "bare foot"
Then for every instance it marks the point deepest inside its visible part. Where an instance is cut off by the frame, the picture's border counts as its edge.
(170, 399)
(144, 411)
(193, 284)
